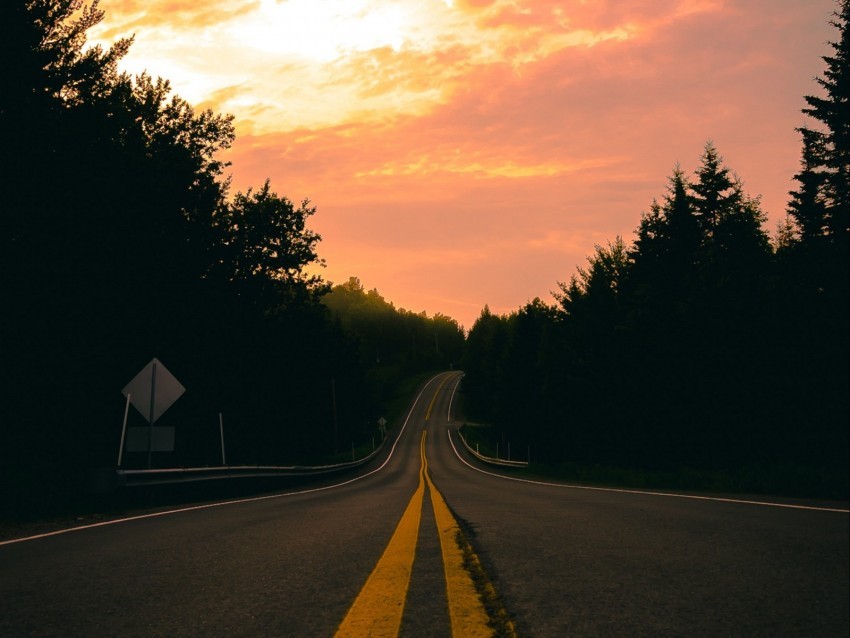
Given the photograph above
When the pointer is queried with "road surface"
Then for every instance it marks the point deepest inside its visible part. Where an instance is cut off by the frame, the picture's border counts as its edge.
(376, 553)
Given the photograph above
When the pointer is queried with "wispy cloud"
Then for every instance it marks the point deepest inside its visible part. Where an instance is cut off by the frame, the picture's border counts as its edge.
(496, 140)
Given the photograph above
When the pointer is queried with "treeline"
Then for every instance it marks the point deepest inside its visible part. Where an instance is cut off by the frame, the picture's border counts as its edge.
(120, 241)
(703, 346)
(393, 343)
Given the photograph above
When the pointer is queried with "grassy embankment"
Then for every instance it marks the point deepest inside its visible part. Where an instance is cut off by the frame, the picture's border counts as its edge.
(776, 480)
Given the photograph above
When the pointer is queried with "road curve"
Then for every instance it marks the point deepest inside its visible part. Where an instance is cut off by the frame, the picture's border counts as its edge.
(563, 561)
(569, 561)
(289, 564)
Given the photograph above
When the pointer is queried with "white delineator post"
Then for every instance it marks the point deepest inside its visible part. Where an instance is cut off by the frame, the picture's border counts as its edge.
(221, 431)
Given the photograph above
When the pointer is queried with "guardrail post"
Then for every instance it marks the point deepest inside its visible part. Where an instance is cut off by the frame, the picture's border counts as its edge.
(221, 431)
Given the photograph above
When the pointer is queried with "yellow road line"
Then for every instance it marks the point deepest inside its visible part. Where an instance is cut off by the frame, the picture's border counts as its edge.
(466, 611)
(378, 608)
(434, 398)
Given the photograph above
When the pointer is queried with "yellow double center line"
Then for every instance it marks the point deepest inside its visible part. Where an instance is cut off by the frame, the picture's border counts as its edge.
(378, 608)
(431, 405)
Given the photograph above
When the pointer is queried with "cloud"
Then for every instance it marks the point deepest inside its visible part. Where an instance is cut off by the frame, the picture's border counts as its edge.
(343, 61)
(123, 17)
(474, 152)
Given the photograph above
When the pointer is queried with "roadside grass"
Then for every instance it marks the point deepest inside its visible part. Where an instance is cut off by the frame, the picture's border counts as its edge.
(784, 480)
(86, 507)
(394, 409)
(398, 402)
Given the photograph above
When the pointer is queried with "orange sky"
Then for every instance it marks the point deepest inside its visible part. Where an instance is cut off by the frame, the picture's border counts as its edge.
(472, 152)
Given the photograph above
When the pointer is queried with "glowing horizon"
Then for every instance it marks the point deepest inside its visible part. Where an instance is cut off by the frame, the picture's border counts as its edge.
(472, 152)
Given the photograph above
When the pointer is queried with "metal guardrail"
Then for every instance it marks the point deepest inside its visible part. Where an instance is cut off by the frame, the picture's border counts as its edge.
(132, 478)
(489, 459)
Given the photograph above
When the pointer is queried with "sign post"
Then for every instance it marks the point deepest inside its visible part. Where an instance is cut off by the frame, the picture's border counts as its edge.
(123, 430)
(151, 412)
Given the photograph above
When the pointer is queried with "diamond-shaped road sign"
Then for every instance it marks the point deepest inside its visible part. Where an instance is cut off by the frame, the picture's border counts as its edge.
(153, 381)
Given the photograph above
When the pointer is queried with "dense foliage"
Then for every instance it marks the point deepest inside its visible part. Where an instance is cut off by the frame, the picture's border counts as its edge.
(120, 242)
(702, 345)
(393, 343)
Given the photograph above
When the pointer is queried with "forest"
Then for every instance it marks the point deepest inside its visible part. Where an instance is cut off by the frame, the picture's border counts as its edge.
(705, 345)
(121, 242)
(704, 353)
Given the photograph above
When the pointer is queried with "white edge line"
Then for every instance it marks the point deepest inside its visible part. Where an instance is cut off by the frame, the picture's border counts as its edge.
(233, 502)
(452, 397)
(624, 491)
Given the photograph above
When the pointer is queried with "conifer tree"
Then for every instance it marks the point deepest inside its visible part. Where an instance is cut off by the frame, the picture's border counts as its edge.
(807, 206)
(713, 191)
(730, 219)
(670, 230)
(821, 205)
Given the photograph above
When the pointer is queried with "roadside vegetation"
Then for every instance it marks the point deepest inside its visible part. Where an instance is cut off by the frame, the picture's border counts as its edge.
(703, 354)
(704, 348)
(122, 241)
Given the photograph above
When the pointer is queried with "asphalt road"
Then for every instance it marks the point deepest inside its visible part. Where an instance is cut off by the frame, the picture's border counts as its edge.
(565, 561)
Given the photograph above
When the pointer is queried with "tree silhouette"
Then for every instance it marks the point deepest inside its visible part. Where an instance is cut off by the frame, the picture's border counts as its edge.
(690, 353)
(264, 247)
(823, 201)
(394, 342)
(120, 243)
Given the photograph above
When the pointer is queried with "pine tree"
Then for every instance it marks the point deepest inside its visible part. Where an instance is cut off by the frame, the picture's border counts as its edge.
(731, 220)
(670, 228)
(807, 207)
(666, 253)
(682, 220)
(714, 190)
(821, 206)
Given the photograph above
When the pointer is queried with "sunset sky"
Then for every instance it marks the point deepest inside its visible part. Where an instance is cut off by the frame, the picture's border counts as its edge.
(471, 152)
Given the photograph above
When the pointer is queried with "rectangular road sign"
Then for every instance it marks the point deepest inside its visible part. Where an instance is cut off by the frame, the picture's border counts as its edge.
(163, 439)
